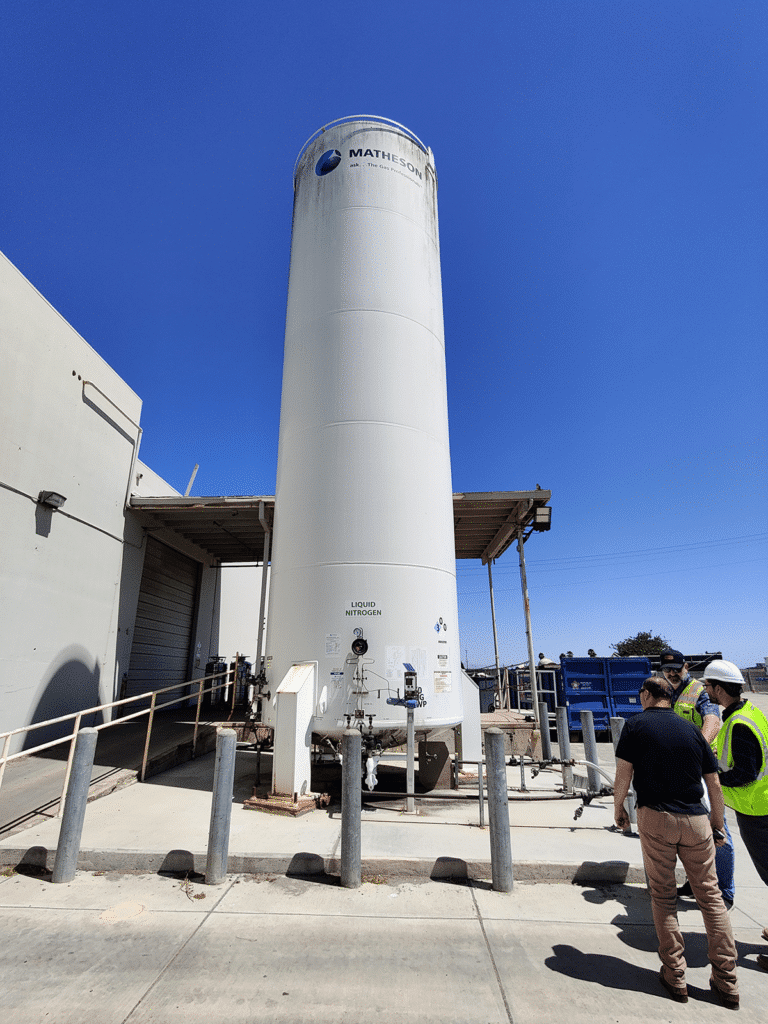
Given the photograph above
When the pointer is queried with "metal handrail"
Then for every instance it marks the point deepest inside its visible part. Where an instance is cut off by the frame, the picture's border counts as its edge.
(77, 716)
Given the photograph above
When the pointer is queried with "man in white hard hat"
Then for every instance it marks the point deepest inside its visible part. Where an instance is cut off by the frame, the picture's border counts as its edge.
(691, 701)
(668, 758)
(742, 758)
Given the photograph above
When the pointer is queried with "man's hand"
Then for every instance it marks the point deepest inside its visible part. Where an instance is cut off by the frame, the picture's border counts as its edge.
(624, 772)
(718, 834)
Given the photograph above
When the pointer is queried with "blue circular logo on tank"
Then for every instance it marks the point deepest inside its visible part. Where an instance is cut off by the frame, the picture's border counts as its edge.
(328, 162)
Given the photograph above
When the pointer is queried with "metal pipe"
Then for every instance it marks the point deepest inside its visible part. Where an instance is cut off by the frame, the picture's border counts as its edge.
(221, 807)
(527, 609)
(546, 739)
(197, 718)
(498, 812)
(351, 801)
(264, 567)
(76, 716)
(136, 443)
(234, 684)
(191, 480)
(590, 750)
(7, 743)
(564, 746)
(409, 769)
(446, 797)
(495, 638)
(71, 831)
(617, 724)
(149, 734)
(70, 759)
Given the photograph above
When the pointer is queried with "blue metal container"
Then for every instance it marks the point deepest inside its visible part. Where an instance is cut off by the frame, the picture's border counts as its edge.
(625, 677)
(584, 687)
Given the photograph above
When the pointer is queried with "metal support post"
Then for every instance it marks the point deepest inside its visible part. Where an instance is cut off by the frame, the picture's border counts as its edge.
(617, 724)
(71, 832)
(221, 807)
(590, 750)
(564, 746)
(546, 740)
(498, 811)
(527, 609)
(351, 800)
(263, 602)
(410, 775)
(499, 695)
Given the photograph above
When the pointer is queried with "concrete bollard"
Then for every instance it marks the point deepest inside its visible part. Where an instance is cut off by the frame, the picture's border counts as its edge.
(590, 750)
(351, 800)
(546, 740)
(617, 724)
(498, 811)
(564, 746)
(71, 831)
(221, 807)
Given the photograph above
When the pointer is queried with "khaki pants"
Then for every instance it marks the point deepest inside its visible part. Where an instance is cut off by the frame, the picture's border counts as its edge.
(664, 837)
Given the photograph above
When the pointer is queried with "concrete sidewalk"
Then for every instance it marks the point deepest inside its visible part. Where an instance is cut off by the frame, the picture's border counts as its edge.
(148, 949)
(280, 940)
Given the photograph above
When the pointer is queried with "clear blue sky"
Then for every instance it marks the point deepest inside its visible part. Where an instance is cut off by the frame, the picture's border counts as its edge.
(602, 202)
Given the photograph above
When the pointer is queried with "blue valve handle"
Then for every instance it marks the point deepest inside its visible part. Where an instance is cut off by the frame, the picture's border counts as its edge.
(403, 702)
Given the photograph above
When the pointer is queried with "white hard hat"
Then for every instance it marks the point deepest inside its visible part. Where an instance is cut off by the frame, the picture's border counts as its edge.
(720, 671)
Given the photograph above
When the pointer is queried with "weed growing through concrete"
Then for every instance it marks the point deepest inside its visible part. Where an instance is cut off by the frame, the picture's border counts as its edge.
(186, 888)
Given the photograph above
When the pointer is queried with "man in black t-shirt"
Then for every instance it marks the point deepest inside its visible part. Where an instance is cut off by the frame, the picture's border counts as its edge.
(667, 757)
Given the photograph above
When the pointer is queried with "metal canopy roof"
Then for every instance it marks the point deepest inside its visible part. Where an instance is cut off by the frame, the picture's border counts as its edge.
(485, 524)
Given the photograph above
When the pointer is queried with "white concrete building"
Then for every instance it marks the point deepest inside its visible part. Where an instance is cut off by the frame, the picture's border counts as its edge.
(95, 603)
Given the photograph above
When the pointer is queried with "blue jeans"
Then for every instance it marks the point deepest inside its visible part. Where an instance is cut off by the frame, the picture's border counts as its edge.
(724, 861)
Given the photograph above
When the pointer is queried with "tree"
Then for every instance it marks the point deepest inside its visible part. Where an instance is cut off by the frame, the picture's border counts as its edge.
(642, 644)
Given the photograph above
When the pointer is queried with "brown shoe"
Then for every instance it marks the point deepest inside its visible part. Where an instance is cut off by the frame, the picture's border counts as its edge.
(762, 960)
(765, 934)
(680, 995)
(729, 1002)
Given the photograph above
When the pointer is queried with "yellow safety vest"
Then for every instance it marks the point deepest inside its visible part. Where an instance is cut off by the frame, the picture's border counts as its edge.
(753, 798)
(685, 705)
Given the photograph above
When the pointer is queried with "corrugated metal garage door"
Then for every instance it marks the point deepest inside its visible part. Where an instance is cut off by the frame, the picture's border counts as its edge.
(164, 621)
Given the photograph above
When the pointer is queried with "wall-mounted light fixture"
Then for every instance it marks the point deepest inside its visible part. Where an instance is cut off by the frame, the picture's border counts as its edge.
(542, 518)
(51, 499)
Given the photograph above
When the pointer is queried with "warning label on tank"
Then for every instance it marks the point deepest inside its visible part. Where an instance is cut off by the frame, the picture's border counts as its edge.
(332, 645)
(442, 682)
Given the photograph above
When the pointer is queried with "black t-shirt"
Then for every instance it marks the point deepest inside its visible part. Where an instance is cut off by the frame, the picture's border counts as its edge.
(669, 756)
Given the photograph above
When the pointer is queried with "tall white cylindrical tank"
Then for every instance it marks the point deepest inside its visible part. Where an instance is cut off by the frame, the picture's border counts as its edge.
(363, 533)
